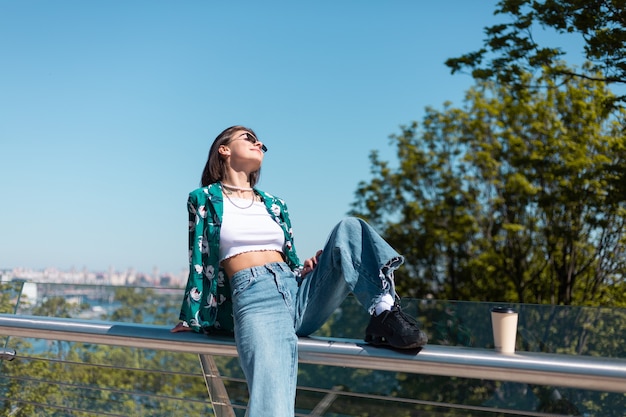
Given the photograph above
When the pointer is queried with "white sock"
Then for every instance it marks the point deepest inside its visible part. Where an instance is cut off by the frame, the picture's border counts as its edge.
(385, 304)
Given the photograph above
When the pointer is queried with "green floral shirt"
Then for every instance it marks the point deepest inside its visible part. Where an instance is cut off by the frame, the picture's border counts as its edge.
(207, 301)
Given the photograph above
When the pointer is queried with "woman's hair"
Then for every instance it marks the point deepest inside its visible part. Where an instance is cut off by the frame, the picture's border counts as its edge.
(214, 169)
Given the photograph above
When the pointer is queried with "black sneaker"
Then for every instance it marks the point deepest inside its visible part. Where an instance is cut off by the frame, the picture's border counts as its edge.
(396, 329)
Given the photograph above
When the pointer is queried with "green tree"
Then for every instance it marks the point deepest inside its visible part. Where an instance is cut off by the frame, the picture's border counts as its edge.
(135, 304)
(100, 378)
(510, 49)
(516, 199)
(9, 293)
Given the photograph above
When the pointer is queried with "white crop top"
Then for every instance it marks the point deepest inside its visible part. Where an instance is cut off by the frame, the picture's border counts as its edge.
(248, 229)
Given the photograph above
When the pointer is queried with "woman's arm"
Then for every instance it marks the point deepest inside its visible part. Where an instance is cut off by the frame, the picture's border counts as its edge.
(189, 312)
(310, 264)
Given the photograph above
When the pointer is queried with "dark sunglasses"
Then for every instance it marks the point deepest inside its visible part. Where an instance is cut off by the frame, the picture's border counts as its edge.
(250, 138)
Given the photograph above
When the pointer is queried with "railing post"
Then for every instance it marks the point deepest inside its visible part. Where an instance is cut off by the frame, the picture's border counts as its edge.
(326, 402)
(215, 386)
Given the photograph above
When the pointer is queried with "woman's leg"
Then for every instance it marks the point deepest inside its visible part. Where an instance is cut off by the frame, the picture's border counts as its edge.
(263, 312)
(355, 259)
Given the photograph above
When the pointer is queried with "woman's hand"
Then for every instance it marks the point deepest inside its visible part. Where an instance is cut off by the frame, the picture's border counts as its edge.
(181, 327)
(310, 264)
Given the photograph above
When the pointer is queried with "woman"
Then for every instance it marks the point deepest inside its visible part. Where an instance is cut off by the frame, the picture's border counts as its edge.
(245, 276)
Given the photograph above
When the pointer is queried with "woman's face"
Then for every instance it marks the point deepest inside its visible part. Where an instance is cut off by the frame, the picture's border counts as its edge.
(244, 146)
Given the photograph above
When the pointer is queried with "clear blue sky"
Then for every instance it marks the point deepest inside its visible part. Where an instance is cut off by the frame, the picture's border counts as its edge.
(108, 109)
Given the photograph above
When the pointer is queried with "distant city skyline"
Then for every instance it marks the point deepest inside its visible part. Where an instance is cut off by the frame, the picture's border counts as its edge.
(86, 276)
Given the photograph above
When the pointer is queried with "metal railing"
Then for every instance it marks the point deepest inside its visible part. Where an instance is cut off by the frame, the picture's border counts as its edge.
(584, 372)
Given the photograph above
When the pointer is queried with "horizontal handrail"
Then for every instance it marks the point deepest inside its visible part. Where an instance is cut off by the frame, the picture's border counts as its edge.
(584, 372)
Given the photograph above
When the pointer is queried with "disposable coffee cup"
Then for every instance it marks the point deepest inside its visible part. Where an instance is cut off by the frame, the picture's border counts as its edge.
(504, 324)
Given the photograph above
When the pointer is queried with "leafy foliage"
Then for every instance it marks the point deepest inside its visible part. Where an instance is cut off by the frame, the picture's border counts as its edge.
(510, 49)
(90, 379)
(519, 199)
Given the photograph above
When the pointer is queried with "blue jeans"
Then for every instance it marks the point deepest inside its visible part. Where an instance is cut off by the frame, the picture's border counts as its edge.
(272, 307)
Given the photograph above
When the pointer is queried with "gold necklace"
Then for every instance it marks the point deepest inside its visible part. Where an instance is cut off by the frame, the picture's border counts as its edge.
(227, 194)
(235, 188)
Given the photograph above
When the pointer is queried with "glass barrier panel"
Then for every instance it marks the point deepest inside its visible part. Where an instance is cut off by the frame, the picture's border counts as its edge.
(93, 377)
